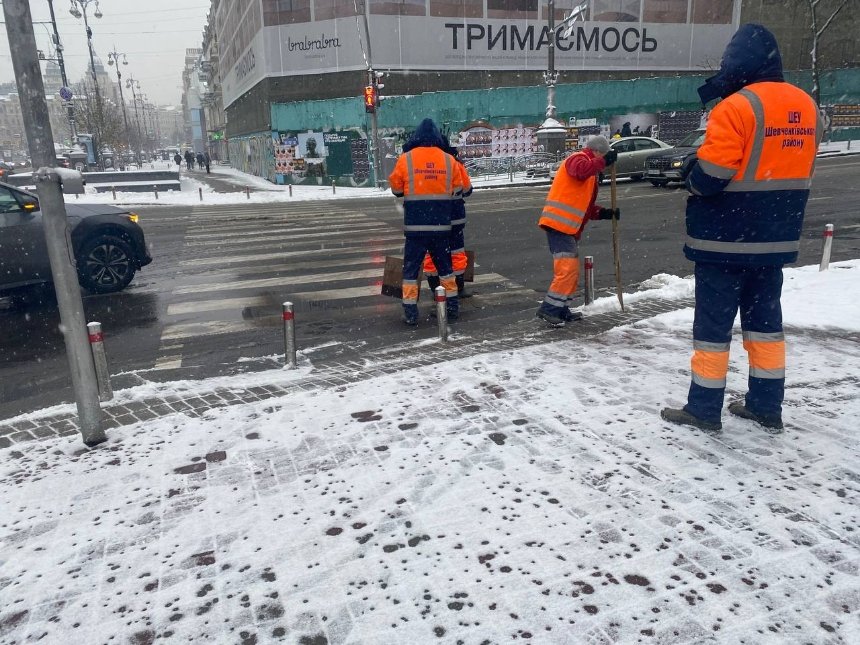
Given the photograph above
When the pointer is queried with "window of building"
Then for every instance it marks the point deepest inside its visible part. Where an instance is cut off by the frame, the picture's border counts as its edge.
(512, 8)
(399, 7)
(328, 9)
(712, 12)
(672, 11)
(285, 12)
(615, 10)
(457, 8)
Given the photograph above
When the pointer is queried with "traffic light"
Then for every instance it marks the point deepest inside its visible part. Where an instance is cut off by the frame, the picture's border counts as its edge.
(371, 99)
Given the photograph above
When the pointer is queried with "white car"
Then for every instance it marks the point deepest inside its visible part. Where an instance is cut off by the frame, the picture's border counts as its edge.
(632, 153)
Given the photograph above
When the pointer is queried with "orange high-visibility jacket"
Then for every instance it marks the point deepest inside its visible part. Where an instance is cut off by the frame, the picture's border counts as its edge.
(570, 201)
(752, 178)
(429, 180)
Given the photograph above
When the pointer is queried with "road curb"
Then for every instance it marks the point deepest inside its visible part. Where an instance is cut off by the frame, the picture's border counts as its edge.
(525, 332)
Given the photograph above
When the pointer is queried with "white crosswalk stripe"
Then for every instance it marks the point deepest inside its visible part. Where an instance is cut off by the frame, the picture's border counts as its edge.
(240, 268)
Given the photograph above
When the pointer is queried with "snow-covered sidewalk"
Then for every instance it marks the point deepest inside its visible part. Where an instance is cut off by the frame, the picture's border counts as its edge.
(527, 495)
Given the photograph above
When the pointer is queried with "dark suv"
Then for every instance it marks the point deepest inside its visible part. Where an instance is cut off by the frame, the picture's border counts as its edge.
(674, 164)
(108, 244)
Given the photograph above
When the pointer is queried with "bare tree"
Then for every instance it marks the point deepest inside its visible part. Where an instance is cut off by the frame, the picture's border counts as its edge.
(817, 32)
(104, 121)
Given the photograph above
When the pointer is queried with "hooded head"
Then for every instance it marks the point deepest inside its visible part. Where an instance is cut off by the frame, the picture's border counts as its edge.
(752, 55)
(598, 144)
(426, 135)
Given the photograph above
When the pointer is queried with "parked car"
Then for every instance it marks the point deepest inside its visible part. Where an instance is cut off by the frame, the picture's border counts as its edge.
(6, 169)
(674, 164)
(632, 153)
(108, 244)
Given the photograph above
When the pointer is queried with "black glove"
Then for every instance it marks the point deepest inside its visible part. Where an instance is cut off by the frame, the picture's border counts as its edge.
(610, 157)
(606, 213)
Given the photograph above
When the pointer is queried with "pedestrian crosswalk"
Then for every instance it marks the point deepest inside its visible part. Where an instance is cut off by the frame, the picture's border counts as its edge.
(237, 268)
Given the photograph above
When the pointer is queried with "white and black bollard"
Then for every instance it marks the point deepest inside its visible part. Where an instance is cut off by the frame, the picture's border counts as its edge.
(289, 337)
(828, 244)
(94, 331)
(442, 313)
(155, 190)
(113, 192)
(291, 190)
(589, 279)
(200, 190)
(248, 192)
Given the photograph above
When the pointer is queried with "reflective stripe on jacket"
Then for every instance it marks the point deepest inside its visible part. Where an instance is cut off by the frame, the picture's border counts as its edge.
(427, 179)
(751, 181)
(568, 202)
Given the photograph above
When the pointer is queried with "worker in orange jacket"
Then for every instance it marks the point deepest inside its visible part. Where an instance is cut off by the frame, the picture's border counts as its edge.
(749, 188)
(428, 180)
(569, 205)
(458, 237)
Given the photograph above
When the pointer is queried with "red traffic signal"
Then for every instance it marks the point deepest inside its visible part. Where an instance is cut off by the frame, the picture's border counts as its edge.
(371, 98)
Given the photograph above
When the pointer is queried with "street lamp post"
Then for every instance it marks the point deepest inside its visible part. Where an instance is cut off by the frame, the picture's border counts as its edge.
(113, 57)
(133, 85)
(77, 13)
(551, 134)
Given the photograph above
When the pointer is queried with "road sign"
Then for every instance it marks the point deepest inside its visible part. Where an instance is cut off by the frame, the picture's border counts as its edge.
(66, 94)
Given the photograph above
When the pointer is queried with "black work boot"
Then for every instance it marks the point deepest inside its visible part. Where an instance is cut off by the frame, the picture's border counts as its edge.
(569, 315)
(771, 423)
(461, 287)
(684, 418)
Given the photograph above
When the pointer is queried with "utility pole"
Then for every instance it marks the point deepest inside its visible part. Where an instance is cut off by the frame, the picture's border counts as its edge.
(34, 110)
(59, 48)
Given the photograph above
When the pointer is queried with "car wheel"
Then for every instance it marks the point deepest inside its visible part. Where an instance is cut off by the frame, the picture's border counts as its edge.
(659, 182)
(105, 264)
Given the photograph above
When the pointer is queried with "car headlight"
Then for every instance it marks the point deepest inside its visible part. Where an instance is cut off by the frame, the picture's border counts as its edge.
(677, 163)
(133, 217)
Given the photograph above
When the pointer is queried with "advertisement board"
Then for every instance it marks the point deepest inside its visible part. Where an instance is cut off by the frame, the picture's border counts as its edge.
(431, 43)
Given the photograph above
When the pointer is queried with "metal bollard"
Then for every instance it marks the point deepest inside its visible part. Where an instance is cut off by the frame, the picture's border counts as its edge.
(291, 190)
(589, 279)
(442, 313)
(155, 190)
(332, 188)
(828, 243)
(113, 192)
(248, 192)
(200, 190)
(289, 337)
(94, 331)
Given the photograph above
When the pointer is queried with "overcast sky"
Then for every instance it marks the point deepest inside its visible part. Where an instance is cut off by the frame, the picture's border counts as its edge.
(152, 33)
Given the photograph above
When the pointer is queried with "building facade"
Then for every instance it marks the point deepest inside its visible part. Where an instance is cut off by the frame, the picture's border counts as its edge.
(275, 54)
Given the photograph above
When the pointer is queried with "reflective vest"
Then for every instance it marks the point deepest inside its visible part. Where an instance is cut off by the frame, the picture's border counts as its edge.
(762, 140)
(427, 179)
(568, 202)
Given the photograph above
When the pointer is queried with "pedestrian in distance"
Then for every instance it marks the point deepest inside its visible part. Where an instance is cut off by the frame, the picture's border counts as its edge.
(428, 179)
(569, 205)
(749, 186)
(625, 130)
(459, 260)
(189, 160)
(207, 160)
(177, 159)
(201, 160)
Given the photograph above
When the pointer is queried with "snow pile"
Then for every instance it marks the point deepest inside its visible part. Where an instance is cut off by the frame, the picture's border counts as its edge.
(529, 495)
